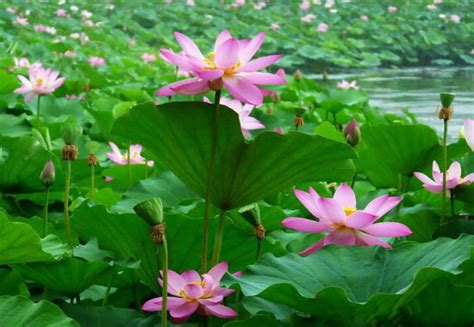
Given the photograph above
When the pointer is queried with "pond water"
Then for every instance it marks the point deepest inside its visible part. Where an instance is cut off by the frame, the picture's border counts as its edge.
(418, 90)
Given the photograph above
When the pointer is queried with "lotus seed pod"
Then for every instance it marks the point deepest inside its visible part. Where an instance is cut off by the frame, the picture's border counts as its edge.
(151, 211)
(71, 132)
(447, 99)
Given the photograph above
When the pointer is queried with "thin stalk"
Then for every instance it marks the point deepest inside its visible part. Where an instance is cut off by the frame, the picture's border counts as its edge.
(445, 164)
(353, 180)
(105, 300)
(38, 110)
(452, 204)
(216, 253)
(46, 204)
(92, 182)
(67, 219)
(259, 247)
(210, 177)
(146, 168)
(334, 119)
(164, 303)
(129, 164)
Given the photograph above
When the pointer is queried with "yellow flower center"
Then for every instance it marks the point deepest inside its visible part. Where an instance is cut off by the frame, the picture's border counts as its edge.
(349, 211)
(211, 65)
(39, 82)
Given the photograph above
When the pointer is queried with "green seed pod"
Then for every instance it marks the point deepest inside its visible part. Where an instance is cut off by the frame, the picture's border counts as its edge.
(48, 174)
(71, 132)
(151, 211)
(447, 99)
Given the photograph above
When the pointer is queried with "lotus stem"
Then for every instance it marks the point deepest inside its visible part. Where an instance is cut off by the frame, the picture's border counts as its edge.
(92, 183)
(46, 205)
(216, 253)
(164, 303)
(445, 167)
(354, 180)
(451, 193)
(210, 177)
(105, 300)
(38, 110)
(67, 219)
(129, 164)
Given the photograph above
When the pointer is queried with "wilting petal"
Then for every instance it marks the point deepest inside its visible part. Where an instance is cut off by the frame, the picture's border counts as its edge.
(243, 90)
(313, 248)
(220, 311)
(191, 276)
(331, 210)
(469, 132)
(455, 170)
(387, 229)
(382, 204)
(345, 196)
(260, 63)
(189, 47)
(360, 219)
(184, 310)
(263, 78)
(218, 271)
(251, 48)
(340, 236)
(193, 291)
(365, 239)
(304, 225)
(227, 54)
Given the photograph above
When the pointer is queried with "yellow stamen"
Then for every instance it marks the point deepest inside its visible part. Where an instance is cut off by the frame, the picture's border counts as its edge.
(39, 82)
(349, 211)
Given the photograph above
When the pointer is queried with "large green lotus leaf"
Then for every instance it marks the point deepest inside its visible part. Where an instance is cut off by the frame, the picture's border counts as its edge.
(126, 235)
(359, 282)
(388, 152)
(13, 126)
(19, 311)
(22, 167)
(19, 243)
(70, 276)
(179, 136)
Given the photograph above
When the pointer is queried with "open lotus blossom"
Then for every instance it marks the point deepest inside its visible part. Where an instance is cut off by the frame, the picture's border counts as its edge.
(40, 28)
(61, 13)
(305, 5)
(40, 81)
(469, 132)
(21, 21)
(230, 65)
(308, 18)
(25, 63)
(323, 27)
(392, 9)
(346, 224)
(347, 85)
(453, 178)
(191, 292)
(147, 57)
(247, 123)
(96, 61)
(275, 26)
(455, 18)
(122, 159)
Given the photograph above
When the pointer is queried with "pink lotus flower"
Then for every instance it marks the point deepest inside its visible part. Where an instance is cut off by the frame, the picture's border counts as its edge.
(96, 61)
(305, 5)
(453, 178)
(259, 5)
(238, 3)
(229, 66)
(40, 28)
(347, 85)
(108, 179)
(122, 159)
(25, 63)
(21, 21)
(346, 225)
(147, 58)
(469, 132)
(247, 123)
(365, 18)
(308, 18)
(323, 27)
(392, 9)
(190, 3)
(61, 13)
(438, 1)
(455, 18)
(191, 292)
(275, 26)
(41, 81)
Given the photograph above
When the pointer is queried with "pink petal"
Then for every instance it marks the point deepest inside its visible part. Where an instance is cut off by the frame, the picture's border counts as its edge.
(191, 276)
(250, 123)
(263, 78)
(252, 47)
(468, 179)
(243, 90)
(424, 179)
(435, 167)
(189, 47)
(455, 170)
(218, 271)
(29, 97)
(368, 240)
(193, 291)
(227, 54)
(304, 225)
(469, 132)
(309, 201)
(177, 59)
(360, 219)
(433, 188)
(220, 311)
(260, 63)
(387, 229)
(210, 75)
(152, 304)
(184, 310)
(175, 282)
(345, 196)
(382, 204)
(223, 291)
(212, 301)
(313, 248)
(340, 236)
(191, 88)
(221, 38)
(168, 90)
(330, 210)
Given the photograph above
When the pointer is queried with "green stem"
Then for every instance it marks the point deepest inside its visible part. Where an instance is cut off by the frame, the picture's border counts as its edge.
(92, 182)
(445, 164)
(216, 253)
(334, 119)
(105, 300)
(259, 247)
(146, 168)
(67, 220)
(353, 180)
(452, 204)
(46, 204)
(38, 110)
(129, 164)
(164, 303)
(210, 177)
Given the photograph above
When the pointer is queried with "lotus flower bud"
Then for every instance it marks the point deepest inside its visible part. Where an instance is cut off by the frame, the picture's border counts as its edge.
(298, 75)
(71, 132)
(352, 133)
(48, 174)
(151, 211)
